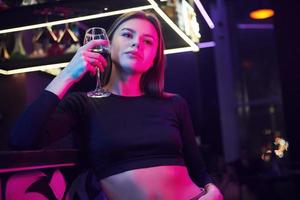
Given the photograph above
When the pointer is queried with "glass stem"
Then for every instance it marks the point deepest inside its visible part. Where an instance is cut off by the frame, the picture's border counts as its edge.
(98, 84)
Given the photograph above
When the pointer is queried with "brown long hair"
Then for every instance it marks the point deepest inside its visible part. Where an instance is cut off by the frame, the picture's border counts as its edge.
(152, 81)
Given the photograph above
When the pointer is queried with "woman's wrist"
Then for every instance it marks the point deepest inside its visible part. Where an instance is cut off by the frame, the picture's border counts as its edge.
(60, 85)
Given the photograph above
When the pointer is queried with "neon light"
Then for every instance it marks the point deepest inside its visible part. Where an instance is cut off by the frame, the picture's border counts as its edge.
(204, 45)
(4, 72)
(204, 14)
(76, 19)
(178, 50)
(173, 26)
(32, 69)
(15, 169)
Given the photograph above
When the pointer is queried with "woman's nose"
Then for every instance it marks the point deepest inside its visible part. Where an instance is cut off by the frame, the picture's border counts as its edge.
(136, 43)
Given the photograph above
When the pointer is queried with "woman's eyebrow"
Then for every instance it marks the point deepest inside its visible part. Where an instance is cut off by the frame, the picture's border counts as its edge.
(133, 31)
(128, 29)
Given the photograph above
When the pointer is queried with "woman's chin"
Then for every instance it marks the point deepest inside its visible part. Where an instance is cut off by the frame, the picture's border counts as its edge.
(134, 68)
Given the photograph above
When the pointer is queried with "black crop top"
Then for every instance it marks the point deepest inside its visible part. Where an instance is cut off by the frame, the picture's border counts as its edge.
(116, 133)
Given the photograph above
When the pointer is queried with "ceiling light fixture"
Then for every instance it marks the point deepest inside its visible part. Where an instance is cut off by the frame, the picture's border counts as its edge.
(264, 13)
(153, 5)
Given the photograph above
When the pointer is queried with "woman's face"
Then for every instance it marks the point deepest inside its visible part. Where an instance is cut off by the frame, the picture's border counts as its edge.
(134, 46)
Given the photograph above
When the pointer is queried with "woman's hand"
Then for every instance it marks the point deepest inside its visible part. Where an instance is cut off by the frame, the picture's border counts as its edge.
(83, 61)
(212, 193)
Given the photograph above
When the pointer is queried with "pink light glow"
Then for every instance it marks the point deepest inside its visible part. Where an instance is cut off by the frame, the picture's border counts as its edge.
(58, 184)
(18, 184)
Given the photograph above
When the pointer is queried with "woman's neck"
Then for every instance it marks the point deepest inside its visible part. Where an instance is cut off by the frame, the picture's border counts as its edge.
(124, 84)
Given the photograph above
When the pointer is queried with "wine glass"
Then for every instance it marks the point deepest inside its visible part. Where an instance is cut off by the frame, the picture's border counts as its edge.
(96, 33)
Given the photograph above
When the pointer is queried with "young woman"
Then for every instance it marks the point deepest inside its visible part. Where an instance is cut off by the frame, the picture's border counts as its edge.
(139, 141)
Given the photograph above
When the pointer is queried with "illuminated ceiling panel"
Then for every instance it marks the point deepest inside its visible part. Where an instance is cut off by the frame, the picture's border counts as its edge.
(90, 13)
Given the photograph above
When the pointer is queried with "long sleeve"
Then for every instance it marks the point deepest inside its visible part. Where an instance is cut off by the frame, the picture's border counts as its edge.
(192, 155)
(45, 119)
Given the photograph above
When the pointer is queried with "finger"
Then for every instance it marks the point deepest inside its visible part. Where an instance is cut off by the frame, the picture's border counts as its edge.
(95, 63)
(91, 69)
(93, 43)
(96, 56)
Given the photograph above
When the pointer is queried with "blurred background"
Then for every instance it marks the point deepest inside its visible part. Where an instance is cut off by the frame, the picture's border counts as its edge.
(242, 86)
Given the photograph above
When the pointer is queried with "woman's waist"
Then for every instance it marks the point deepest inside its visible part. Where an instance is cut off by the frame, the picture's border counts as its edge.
(160, 181)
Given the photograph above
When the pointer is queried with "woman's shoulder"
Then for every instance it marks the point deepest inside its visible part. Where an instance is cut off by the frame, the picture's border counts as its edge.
(173, 96)
(75, 103)
(169, 94)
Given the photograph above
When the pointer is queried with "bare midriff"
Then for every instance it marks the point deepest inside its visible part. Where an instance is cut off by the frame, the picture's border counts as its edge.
(153, 183)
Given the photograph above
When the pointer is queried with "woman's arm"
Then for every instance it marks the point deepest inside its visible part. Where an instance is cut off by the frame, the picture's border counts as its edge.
(48, 119)
(192, 154)
(27, 131)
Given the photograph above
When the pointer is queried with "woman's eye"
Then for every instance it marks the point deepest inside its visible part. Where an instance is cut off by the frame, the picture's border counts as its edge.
(149, 42)
(128, 35)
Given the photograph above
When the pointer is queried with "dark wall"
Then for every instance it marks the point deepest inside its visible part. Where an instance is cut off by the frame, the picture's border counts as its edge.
(12, 101)
(17, 92)
(288, 32)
